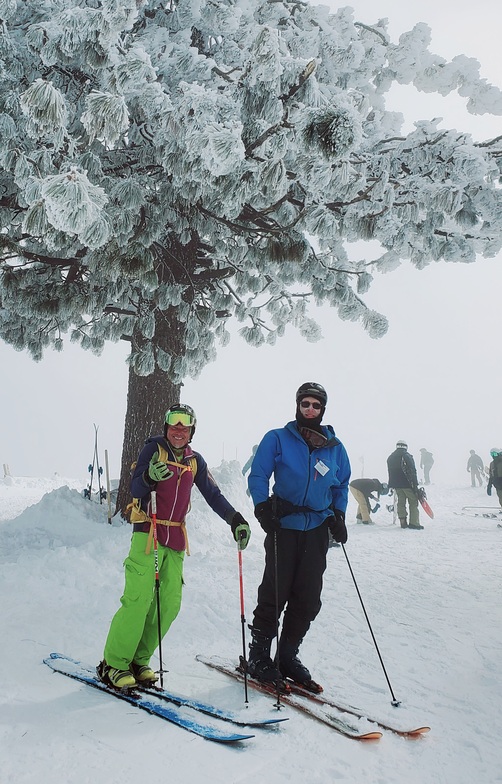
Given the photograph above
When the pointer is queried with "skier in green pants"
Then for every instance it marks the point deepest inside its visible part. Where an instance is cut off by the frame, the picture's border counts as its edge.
(167, 465)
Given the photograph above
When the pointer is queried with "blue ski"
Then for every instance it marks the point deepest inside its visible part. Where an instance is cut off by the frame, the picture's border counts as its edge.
(74, 669)
(189, 702)
(212, 710)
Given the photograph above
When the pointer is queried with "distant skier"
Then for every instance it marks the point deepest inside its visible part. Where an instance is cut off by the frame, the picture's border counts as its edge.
(495, 473)
(406, 490)
(362, 490)
(247, 465)
(426, 462)
(476, 466)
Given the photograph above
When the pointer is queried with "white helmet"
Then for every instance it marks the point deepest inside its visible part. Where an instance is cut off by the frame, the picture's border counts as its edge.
(401, 445)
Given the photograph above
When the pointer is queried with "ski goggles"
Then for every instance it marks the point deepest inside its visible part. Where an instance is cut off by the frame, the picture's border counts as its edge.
(180, 418)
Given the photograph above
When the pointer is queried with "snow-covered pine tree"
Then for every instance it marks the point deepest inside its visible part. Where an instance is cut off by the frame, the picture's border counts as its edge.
(166, 166)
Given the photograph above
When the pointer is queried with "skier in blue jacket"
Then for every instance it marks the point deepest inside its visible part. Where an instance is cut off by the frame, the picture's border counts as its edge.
(311, 473)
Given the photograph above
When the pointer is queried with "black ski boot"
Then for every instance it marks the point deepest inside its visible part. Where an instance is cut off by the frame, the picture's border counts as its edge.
(291, 667)
(260, 665)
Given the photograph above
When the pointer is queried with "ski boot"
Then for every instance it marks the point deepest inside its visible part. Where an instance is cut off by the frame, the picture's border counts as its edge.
(260, 665)
(291, 667)
(122, 680)
(144, 674)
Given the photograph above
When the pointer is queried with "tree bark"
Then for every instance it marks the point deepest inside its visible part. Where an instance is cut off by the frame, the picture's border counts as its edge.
(148, 398)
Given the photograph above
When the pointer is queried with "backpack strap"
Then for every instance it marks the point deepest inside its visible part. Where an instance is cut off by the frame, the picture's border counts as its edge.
(138, 515)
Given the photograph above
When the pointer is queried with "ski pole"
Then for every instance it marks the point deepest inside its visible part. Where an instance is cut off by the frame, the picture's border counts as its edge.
(99, 468)
(243, 624)
(153, 500)
(88, 491)
(96, 459)
(278, 674)
(108, 494)
(394, 702)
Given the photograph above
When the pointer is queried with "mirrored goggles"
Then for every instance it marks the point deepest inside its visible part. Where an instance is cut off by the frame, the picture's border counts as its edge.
(179, 418)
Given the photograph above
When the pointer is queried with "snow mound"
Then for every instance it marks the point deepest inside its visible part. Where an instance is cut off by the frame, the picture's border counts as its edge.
(63, 517)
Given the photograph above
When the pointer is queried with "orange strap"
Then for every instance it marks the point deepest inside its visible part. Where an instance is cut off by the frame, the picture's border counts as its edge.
(182, 525)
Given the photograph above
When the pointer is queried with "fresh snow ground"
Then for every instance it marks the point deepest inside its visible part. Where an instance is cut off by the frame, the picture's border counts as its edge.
(433, 599)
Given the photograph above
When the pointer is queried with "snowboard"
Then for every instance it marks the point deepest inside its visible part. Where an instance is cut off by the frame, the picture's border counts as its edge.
(422, 498)
(421, 494)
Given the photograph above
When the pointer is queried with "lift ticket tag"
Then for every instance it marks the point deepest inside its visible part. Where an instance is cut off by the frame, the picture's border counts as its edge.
(321, 467)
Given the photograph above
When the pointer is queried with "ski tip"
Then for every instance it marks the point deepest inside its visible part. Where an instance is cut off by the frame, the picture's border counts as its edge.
(232, 739)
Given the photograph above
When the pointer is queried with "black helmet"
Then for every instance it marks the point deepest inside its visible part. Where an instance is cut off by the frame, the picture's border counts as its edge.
(310, 388)
(186, 417)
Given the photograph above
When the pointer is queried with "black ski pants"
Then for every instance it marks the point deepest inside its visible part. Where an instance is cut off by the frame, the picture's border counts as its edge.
(301, 563)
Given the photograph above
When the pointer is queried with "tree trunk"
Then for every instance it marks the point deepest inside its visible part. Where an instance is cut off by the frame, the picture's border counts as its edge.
(148, 398)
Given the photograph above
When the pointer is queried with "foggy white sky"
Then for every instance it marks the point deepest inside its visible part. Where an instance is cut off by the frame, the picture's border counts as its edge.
(433, 379)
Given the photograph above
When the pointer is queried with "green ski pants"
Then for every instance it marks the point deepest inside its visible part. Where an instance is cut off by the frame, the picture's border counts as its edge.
(133, 634)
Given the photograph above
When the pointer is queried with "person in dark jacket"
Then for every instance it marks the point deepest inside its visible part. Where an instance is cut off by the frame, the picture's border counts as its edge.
(311, 473)
(363, 490)
(167, 465)
(403, 479)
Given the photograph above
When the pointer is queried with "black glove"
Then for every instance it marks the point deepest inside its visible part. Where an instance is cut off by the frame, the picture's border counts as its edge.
(489, 488)
(241, 530)
(336, 525)
(266, 516)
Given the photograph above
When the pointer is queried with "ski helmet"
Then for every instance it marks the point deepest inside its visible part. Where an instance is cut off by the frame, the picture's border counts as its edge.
(494, 451)
(401, 445)
(182, 414)
(311, 389)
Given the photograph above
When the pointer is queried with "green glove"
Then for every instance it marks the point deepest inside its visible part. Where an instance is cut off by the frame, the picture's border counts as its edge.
(240, 530)
(158, 471)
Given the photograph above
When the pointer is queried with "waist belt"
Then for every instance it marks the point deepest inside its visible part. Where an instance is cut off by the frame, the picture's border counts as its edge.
(181, 525)
(282, 508)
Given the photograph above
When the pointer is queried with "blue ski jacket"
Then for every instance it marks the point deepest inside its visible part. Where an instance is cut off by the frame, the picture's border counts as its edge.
(316, 481)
